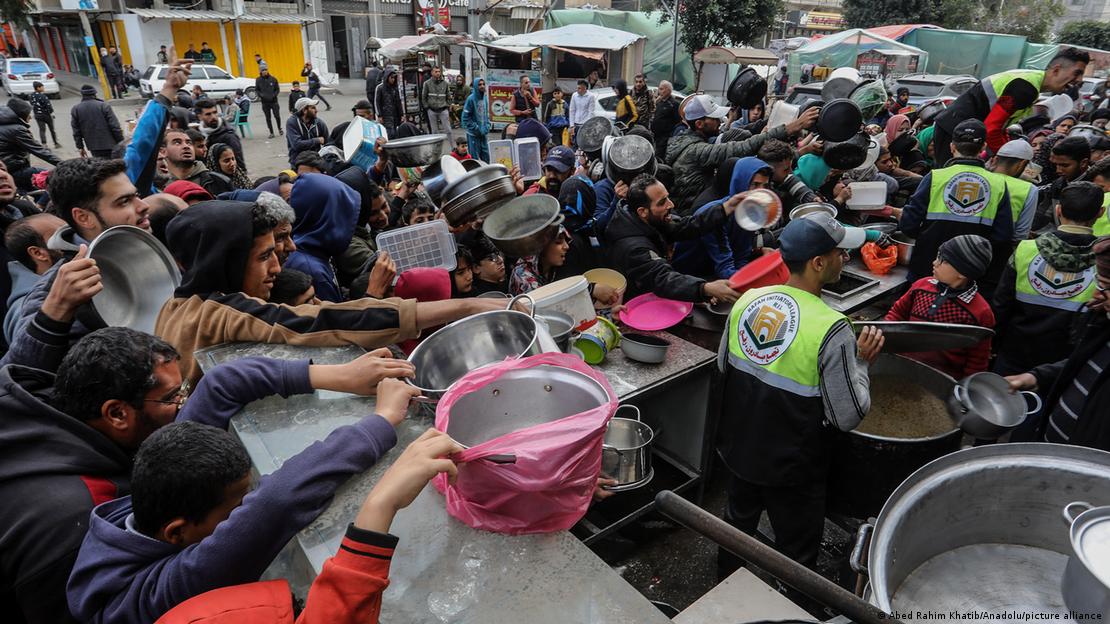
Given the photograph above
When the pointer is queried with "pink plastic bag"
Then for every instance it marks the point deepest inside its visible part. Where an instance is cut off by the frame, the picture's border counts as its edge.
(557, 463)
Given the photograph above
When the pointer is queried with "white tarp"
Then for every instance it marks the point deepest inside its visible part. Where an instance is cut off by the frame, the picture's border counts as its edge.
(580, 36)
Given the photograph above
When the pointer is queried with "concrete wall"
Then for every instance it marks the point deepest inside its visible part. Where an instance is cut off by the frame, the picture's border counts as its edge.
(131, 30)
(151, 35)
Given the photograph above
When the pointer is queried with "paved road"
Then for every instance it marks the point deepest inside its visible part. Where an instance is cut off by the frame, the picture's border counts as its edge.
(264, 156)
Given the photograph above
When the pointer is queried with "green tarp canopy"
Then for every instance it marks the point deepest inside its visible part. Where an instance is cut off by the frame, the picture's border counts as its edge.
(842, 48)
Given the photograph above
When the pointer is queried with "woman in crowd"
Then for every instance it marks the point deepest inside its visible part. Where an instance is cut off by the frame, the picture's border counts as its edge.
(626, 108)
(221, 158)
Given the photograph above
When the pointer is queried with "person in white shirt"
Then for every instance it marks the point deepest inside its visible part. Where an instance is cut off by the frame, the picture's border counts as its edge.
(582, 105)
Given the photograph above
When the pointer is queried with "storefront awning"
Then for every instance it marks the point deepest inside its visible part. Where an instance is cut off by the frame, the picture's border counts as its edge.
(217, 16)
(575, 37)
(405, 46)
(726, 55)
(596, 55)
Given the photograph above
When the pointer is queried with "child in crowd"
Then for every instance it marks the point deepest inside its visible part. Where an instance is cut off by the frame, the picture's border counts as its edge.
(44, 113)
(462, 282)
(292, 287)
(200, 144)
(461, 151)
(952, 296)
(418, 209)
(192, 523)
(489, 267)
(295, 94)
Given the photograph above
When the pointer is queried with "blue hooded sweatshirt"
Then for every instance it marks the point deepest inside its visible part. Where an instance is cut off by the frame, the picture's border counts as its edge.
(475, 113)
(723, 251)
(326, 210)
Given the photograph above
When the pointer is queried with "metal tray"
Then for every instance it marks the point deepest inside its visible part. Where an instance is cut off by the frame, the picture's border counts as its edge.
(850, 284)
(911, 336)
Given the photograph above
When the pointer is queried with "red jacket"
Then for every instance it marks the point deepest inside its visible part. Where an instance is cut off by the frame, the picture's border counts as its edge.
(348, 590)
(970, 308)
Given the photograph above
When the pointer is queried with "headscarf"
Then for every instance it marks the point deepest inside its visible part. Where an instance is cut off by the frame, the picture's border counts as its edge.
(423, 284)
(579, 203)
(892, 126)
(924, 138)
(239, 180)
(1061, 119)
(812, 170)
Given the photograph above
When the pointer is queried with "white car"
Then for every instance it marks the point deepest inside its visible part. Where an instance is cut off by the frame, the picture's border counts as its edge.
(214, 81)
(606, 99)
(20, 74)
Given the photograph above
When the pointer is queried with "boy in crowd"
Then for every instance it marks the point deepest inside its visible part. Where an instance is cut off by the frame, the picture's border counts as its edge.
(952, 296)
(295, 94)
(44, 113)
(1041, 300)
(460, 152)
(192, 523)
(292, 287)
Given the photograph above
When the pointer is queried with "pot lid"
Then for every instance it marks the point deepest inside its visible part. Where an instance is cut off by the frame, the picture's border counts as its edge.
(839, 120)
(747, 89)
(837, 88)
(592, 134)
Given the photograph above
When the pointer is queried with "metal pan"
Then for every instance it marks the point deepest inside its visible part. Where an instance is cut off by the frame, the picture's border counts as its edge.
(916, 336)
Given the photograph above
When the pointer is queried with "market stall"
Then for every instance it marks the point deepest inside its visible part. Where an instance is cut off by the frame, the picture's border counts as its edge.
(844, 48)
(409, 53)
(717, 65)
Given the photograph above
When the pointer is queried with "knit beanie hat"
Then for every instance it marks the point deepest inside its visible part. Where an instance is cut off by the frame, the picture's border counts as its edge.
(88, 90)
(530, 128)
(1101, 248)
(20, 107)
(969, 254)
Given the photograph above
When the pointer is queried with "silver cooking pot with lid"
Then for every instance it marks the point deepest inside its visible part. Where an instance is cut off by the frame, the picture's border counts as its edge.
(626, 452)
(1086, 582)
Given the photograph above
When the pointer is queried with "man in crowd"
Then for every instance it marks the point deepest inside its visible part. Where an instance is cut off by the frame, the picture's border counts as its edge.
(794, 369)
(182, 163)
(1006, 98)
(25, 241)
(475, 121)
(640, 232)
(373, 79)
(304, 131)
(314, 84)
(388, 106)
(216, 130)
(268, 89)
(524, 102)
(96, 128)
(1010, 161)
(113, 71)
(583, 105)
(644, 100)
(434, 99)
(665, 118)
(1071, 156)
(17, 143)
(192, 54)
(694, 159)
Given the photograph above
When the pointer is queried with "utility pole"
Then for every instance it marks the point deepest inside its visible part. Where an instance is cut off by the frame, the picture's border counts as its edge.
(674, 40)
(90, 43)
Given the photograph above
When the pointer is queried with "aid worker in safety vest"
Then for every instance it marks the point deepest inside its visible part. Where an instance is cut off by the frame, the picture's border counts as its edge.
(794, 373)
(1041, 302)
(1007, 98)
(961, 198)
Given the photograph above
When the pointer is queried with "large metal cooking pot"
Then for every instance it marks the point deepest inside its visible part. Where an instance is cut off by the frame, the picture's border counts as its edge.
(1086, 582)
(628, 157)
(415, 151)
(525, 225)
(560, 326)
(866, 468)
(626, 452)
(138, 275)
(590, 136)
(458, 348)
(847, 154)
(986, 408)
(980, 529)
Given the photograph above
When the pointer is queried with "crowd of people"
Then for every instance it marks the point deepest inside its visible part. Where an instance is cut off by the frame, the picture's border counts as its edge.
(150, 514)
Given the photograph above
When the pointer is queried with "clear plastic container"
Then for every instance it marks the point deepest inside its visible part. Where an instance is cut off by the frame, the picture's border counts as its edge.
(526, 154)
(501, 153)
(427, 244)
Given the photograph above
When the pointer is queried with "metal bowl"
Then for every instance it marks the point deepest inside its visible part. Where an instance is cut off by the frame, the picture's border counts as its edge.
(438, 175)
(472, 180)
(628, 157)
(560, 326)
(460, 347)
(138, 274)
(415, 151)
(525, 225)
(885, 228)
(811, 208)
(480, 201)
(644, 348)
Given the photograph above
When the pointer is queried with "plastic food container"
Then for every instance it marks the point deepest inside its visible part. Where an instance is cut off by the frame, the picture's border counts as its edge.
(501, 153)
(597, 341)
(760, 209)
(526, 155)
(867, 195)
(571, 296)
(767, 270)
(427, 244)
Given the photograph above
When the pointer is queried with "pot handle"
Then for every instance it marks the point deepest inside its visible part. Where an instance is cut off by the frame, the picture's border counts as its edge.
(1068, 517)
(523, 296)
(863, 540)
(962, 400)
(629, 406)
(1036, 401)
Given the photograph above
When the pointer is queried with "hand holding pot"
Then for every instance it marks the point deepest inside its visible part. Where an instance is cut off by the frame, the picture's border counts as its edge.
(393, 400)
(75, 285)
(1024, 381)
(399, 486)
(805, 121)
(870, 343)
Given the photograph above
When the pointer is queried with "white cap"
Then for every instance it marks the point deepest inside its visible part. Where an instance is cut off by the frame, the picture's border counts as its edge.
(703, 106)
(303, 102)
(1018, 148)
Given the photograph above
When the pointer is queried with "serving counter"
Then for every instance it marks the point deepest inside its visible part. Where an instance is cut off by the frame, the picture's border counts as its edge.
(444, 571)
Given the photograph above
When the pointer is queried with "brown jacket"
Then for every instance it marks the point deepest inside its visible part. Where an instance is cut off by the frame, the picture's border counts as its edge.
(193, 323)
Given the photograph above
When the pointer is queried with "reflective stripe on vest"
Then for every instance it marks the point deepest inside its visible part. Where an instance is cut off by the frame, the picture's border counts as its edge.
(1102, 225)
(1038, 283)
(1019, 192)
(995, 85)
(965, 193)
(775, 335)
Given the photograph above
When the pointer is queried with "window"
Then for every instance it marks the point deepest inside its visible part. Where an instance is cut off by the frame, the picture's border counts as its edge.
(198, 74)
(28, 67)
(215, 73)
(608, 103)
(148, 73)
(922, 89)
(162, 73)
(960, 88)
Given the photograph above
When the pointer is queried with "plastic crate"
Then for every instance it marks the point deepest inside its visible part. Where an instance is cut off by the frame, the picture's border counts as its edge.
(427, 244)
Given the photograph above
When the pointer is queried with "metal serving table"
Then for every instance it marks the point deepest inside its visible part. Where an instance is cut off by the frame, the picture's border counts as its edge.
(443, 571)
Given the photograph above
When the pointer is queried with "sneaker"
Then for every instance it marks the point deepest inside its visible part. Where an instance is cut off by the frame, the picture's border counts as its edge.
(57, 145)
(280, 133)
(271, 135)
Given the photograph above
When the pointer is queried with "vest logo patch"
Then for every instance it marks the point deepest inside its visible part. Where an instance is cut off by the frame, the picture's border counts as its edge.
(768, 326)
(1049, 282)
(966, 194)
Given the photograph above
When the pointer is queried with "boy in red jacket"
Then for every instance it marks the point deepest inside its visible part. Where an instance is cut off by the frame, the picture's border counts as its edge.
(952, 296)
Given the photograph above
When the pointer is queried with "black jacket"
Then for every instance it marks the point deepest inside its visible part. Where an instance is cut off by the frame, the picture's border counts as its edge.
(226, 134)
(94, 125)
(294, 96)
(301, 137)
(640, 252)
(387, 101)
(267, 88)
(17, 144)
(1092, 428)
(665, 119)
(53, 470)
(373, 79)
(313, 79)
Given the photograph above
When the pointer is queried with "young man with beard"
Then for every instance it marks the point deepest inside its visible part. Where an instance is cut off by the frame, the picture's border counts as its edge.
(475, 121)
(304, 131)
(644, 100)
(216, 130)
(434, 99)
(183, 165)
(267, 88)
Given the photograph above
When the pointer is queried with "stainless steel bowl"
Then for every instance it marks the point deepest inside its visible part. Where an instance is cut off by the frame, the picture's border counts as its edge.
(525, 225)
(885, 228)
(811, 208)
(905, 247)
(644, 348)
(460, 347)
(560, 326)
(415, 151)
(472, 180)
(479, 201)
(138, 274)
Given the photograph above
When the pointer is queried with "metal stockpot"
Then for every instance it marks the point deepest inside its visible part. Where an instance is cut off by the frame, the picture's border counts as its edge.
(984, 407)
(139, 275)
(626, 452)
(1086, 582)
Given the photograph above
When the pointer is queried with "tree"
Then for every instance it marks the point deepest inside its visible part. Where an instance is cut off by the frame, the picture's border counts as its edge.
(15, 12)
(1087, 33)
(705, 23)
(868, 13)
(1031, 19)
